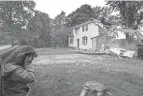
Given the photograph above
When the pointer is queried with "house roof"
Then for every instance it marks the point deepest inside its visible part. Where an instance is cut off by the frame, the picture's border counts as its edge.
(102, 35)
(102, 29)
(102, 32)
(92, 20)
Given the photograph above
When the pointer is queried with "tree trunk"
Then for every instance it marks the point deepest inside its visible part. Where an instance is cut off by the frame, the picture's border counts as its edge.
(10, 24)
(12, 43)
(43, 46)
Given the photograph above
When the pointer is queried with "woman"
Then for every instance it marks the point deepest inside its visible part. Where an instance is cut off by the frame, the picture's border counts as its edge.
(17, 72)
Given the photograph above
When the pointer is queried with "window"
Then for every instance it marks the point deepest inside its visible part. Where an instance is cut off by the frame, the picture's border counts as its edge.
(86, 27)
(71, 40)
(84, 40)
(76, 29)
(83, 28)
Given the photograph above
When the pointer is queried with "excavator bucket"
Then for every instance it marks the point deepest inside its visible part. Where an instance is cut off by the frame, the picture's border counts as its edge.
(137, 33)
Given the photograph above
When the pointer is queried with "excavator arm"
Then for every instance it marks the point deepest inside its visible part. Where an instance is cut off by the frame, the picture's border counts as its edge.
(137, 33)
(126, 30)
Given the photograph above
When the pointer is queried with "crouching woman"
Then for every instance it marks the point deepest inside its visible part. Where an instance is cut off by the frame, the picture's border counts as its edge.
(18, 72)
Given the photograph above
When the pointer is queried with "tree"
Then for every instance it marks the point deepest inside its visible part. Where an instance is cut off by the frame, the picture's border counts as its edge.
(104, 15)
(60, 37)
(15, 15)
(60, 30)
(60, 19)
(81, 15)
(86, 12)
(100, 12)
(40, 26)
(130, 13)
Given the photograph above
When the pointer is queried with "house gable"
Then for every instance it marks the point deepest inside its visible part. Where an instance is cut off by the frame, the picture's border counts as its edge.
(83, 33)
(95, 21)
(93, 27)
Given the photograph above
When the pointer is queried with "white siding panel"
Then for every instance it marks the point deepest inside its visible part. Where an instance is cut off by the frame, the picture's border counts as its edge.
(93, 30)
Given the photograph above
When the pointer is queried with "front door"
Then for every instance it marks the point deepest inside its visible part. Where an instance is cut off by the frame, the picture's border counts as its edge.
(78, 43)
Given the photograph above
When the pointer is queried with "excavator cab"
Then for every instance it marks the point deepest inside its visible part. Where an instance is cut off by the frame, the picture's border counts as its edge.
(140, 51)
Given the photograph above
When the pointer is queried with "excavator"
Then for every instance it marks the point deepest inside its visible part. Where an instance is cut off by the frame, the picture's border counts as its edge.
(137, 33)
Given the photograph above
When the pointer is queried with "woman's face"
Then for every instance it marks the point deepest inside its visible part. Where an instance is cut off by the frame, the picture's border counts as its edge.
(29, 59)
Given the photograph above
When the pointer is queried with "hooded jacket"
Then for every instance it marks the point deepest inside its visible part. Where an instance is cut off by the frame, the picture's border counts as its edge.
(15, 75)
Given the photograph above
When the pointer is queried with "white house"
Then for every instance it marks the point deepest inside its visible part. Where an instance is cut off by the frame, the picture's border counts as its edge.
(83, 35)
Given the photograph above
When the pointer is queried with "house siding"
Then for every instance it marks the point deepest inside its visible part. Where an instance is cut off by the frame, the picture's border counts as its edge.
(103, 39)
(93, 31)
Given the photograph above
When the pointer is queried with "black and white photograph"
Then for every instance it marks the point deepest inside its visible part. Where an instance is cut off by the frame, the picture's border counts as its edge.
(71, 47)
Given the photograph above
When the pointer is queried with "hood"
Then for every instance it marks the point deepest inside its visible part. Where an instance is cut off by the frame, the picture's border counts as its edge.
(16, 58)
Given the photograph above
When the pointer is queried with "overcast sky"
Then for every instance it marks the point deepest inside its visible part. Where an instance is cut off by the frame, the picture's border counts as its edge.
(54, 7)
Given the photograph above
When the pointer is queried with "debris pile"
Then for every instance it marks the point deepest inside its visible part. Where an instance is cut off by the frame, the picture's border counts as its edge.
(120, 52)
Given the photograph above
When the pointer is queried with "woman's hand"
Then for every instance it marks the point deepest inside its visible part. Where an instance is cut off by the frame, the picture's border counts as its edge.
(28, 61)
(27, 66)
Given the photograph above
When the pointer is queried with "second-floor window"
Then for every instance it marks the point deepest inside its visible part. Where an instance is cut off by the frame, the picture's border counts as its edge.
(86, 27)
(84, 40)
(83, 28)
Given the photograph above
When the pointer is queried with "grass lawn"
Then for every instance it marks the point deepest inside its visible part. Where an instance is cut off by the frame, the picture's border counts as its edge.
(64, 73)
(52, 51)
